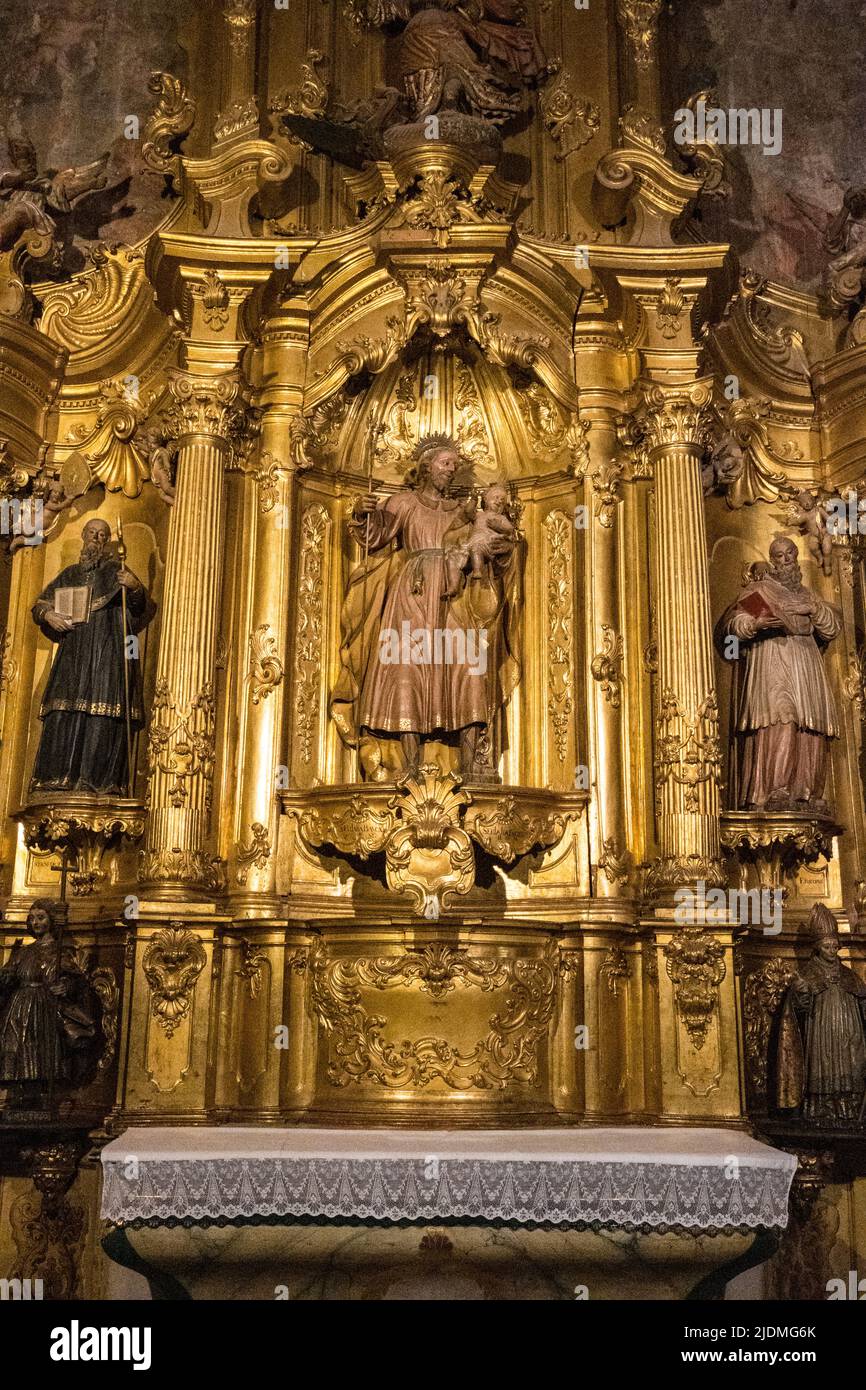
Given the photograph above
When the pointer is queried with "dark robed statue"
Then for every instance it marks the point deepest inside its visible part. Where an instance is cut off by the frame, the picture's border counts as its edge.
(821, 1065)
(83, 747)
(49, 1014)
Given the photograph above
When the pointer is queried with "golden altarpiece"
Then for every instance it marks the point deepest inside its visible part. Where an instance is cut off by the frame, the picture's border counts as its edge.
(330, 287)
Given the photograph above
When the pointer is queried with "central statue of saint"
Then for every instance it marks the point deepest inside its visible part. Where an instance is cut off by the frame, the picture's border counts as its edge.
(423, 657)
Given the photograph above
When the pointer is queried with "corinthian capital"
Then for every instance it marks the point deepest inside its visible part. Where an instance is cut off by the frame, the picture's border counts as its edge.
(207, 405)
(674, 416)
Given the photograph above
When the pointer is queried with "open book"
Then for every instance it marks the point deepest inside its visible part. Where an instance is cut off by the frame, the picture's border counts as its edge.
(74, 602)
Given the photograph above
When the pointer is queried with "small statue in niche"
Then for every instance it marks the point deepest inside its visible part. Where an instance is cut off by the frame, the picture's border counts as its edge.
(784, 713)
(821, 1054)
(416, 663)
(49, 1013)
(492, 538)
(84, 713)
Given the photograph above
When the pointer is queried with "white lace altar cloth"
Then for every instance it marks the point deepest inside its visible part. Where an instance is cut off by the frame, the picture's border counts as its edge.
(692, 1179)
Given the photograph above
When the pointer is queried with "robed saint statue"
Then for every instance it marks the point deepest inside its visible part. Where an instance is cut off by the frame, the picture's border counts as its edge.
(93, 698)
(821, 1056)
(430, 647)
(49, 1012)
(784, 713)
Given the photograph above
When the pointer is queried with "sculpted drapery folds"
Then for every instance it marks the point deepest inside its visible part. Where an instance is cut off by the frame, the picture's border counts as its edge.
(426, 652)
(49, 1013)
(784, 712)
(821, 1061)
(473, 55)
(83, 747)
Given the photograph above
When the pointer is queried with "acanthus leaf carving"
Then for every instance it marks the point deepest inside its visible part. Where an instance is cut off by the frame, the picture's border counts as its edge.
(560, 629)
(763, 992)
(255, 854)
(688, 750)
(639, 19)
(360, 1052)
(172, 962)
(571, 120)
(181, 743)
(266, 669)
(696, 966)
(606, 665)
(315, 527)
(168, 124)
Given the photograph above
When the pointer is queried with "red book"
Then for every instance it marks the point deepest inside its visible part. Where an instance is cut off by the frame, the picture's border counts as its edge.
(756, 606)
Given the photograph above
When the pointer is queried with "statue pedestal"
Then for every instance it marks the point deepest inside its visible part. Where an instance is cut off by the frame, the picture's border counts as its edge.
(630, 1212)
(772, 845)
(426, 825)
(84, 827)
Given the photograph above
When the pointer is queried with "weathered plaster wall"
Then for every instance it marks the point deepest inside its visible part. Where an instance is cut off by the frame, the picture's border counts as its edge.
(807, 59)
(70, 75)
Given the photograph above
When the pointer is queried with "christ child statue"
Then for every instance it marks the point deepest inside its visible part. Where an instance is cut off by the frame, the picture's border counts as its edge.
(492, 536)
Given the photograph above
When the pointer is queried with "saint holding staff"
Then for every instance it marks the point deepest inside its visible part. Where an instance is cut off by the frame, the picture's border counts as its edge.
(92, 698)
(406, 584)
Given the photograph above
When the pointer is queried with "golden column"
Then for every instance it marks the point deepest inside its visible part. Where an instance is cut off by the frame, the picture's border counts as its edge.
(696, 989)
(265, 614)
(687, 752)
(205, 418)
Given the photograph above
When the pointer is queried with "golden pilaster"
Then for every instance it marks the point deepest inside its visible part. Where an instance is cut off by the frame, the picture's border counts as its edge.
(606, 695)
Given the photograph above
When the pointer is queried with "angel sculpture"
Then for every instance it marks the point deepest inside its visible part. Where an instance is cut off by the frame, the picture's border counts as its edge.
(159, 458)
(723, 465)
(808, 513)
(31, 201)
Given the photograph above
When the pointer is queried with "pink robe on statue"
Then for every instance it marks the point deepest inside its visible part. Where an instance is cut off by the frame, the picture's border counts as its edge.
(785, 712)
(415, 696)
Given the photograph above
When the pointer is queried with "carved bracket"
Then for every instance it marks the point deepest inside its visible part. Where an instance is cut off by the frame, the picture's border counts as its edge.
(776, 844)
(84, 830)
(426, 827)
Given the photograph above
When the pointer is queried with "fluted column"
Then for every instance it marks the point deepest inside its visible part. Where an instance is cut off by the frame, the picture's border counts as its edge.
(687, 751)
(204, 418)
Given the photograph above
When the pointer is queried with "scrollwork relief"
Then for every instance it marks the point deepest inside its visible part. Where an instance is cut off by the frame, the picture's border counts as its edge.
(172, 962)
(360, 1052)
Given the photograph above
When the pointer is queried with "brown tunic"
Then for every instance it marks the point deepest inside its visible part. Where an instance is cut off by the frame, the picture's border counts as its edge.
(417, 696)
